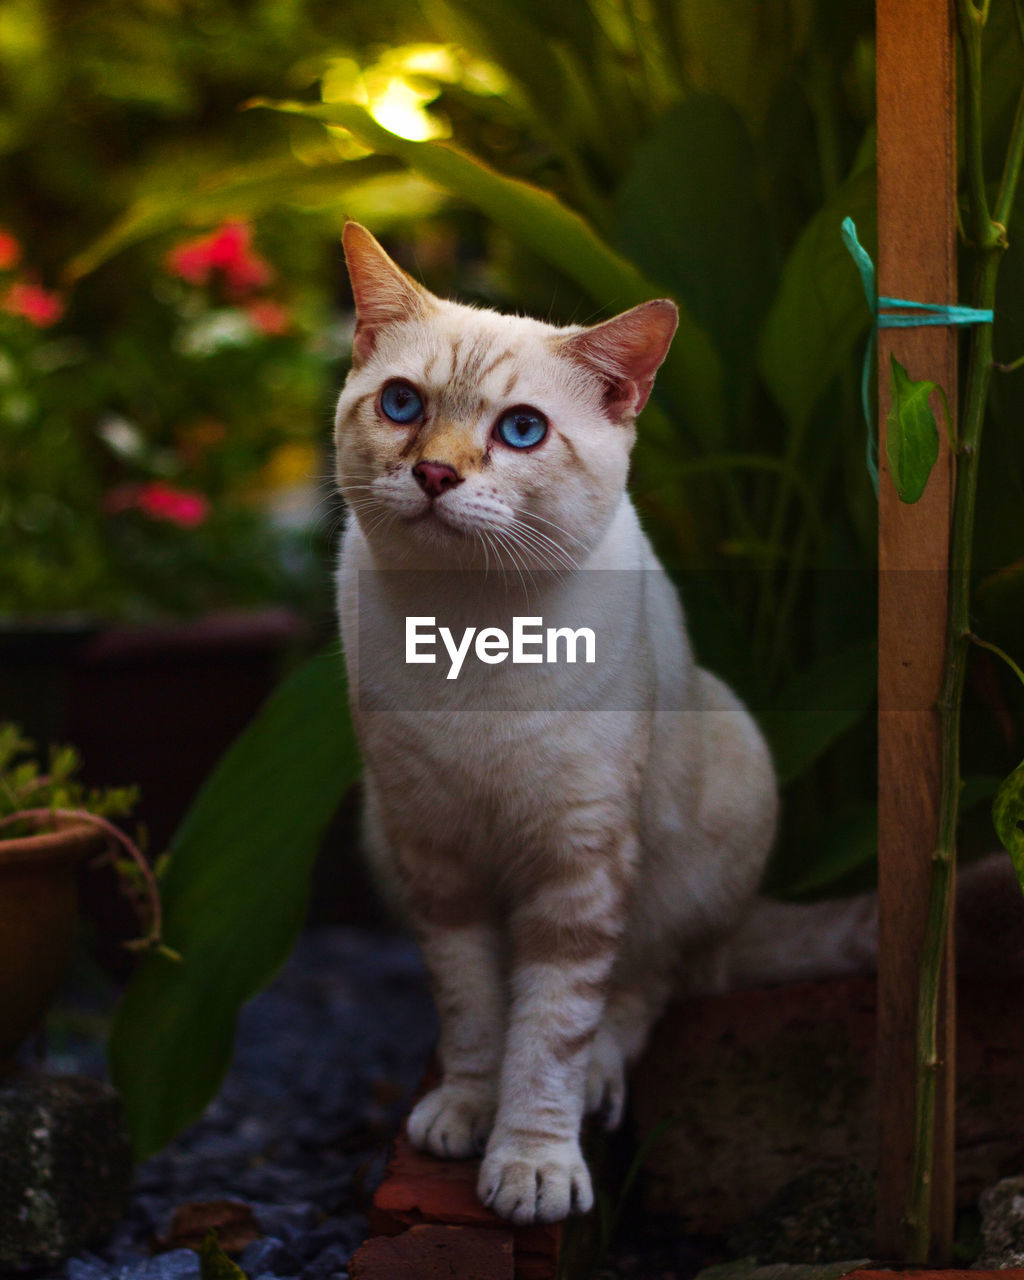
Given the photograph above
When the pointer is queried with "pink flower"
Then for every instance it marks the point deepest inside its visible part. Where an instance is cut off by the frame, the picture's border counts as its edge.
(268, 316)
(10, 250)
(226, 252)
(33, 303)
(159, 501)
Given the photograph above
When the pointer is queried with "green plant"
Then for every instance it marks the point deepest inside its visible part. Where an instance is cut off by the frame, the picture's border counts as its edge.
(234, 893)
(33, 801)
(913, 446)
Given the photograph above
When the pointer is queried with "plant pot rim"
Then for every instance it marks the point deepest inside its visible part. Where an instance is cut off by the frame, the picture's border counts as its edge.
(68, 843)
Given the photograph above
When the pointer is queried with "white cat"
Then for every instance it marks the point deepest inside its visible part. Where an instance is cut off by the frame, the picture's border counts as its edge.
(565, 838)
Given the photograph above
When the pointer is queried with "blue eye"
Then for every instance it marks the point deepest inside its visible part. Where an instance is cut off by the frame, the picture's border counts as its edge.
(521, 427)
(401, 403)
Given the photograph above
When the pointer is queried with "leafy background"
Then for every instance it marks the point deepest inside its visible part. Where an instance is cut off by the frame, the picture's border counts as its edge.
(569, 160)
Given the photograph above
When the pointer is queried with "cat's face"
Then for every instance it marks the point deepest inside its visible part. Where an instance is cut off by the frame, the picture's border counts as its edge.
(467, 438)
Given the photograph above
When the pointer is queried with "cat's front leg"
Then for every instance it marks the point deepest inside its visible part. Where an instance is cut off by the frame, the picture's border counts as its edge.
(564, 944)
(461, 951)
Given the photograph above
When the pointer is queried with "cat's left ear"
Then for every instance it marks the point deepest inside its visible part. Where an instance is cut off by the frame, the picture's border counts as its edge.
(626, 352)
(384, 295)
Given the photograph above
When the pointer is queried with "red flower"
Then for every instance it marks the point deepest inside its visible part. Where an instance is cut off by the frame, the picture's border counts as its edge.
(268, 316)
(10, 250)
(160, 501)
(33, 303)
(227, 252)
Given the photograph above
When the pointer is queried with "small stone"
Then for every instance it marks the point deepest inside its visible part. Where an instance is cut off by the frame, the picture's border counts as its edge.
(826, 1213)
(267, 1255)
(287, 1220)
(85, 1269)
(180, 1264)
(65, 1167)
(331, 1263)
(1002, 1225)
(232, 1220)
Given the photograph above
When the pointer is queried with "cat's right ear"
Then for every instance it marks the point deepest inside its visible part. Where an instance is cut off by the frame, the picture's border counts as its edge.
(384, 295)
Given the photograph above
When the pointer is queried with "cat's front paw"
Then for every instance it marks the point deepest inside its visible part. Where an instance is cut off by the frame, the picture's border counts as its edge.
(453, 1120)
(525, 1180)
(606, 1081)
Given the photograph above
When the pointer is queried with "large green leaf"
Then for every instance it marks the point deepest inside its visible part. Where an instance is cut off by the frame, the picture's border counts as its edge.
(744, 49)
(688, 214)
(234, 898)
(245, 189)
(819, 311)
(574, 84)
(817, 706)
(692, 374)
(505, 34)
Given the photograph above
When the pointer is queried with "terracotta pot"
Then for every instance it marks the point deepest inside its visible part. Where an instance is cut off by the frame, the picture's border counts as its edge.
(38, 911)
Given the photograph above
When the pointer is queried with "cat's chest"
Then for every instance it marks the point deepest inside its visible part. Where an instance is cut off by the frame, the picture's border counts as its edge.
(494, 783)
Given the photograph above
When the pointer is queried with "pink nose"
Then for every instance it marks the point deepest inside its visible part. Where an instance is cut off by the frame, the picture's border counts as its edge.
(435, 478)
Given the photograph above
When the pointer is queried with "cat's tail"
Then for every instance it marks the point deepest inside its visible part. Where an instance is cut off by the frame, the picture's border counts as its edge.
(790, 942)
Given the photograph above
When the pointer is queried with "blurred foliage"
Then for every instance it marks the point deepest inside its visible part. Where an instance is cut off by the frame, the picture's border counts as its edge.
(568, 159)
(133, 457)
(100, 103)
(571, 160)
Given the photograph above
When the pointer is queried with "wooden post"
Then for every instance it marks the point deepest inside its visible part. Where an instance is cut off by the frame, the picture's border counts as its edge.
(916, 70)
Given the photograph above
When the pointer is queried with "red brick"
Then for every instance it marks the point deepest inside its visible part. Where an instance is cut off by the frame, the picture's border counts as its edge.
(420, 1189)
(436, 1253)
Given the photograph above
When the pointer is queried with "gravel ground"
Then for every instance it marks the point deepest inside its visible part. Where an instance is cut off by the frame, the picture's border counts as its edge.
(325, 1061)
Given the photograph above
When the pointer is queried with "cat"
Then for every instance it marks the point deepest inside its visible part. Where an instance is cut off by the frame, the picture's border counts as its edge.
(562, 849)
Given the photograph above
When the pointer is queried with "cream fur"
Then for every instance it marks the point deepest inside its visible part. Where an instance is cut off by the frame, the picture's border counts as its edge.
(559, 863)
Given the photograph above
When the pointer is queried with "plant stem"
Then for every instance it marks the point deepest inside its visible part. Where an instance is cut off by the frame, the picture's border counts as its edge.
(989, 236)
(950, 701)
(1000, 653)
(45, 818)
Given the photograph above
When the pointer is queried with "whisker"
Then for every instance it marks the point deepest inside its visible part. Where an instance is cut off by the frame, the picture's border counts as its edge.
(532, 515)
(541, 552)
(541, 541)
(521, 565)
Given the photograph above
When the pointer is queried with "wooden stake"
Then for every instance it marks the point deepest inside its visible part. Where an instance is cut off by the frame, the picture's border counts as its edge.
(916, 68)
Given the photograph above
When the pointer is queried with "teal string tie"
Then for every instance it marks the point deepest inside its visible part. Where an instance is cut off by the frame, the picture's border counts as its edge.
(887, 313)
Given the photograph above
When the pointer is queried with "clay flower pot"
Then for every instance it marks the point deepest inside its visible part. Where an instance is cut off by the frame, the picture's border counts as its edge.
(38, 910)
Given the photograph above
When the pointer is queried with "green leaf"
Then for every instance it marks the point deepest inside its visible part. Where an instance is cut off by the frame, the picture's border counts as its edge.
(234, 898)
(819, 312)
(1008, 817)
(692, 374)
(911, 435)
(817, 706)
(689, 215)
(246, 189)
(214, 1263)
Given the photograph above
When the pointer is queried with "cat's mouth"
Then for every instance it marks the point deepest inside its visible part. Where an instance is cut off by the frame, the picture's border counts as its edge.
(432, 518)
